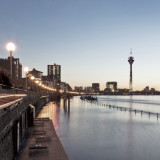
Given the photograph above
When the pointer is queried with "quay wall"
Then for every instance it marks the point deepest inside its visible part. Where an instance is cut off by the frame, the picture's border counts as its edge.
(16, 120)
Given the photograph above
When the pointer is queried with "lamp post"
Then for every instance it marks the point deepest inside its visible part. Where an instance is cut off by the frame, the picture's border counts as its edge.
(32, 78)
(26, 70)
(37, 85)
(40, 84)
(11, 47)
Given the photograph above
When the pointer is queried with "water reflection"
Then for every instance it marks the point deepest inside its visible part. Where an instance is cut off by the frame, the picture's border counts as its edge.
(129, 137)
(51, 110)
(88, 131)
(66, 106)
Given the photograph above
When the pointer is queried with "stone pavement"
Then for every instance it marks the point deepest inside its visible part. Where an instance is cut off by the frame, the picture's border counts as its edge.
(42, 143)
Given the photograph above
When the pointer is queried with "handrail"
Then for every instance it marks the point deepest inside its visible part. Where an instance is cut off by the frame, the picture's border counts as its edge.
(12, 95)
(10, 103)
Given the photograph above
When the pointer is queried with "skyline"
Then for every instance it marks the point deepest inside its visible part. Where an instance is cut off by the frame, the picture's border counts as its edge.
(91, 40)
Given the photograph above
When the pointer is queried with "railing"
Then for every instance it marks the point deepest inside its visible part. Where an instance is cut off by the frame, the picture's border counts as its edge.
(12, 90)
(126, 109)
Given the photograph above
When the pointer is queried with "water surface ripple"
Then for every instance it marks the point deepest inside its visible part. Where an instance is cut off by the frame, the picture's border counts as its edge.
(90, 132)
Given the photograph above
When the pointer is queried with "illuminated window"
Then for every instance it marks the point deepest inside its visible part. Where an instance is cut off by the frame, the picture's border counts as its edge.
(54, 70)
(57, 70)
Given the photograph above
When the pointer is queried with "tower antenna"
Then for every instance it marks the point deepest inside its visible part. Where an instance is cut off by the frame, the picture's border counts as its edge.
(131, 51)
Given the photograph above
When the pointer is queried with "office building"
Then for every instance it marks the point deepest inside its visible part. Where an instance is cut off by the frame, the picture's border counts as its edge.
(54, 73)
(16, 68)
(95, 87)
(88, 89)
(78, 88)
(146, 89)
(112, 86)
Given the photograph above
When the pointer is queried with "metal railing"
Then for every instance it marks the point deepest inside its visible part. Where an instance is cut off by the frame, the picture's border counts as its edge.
(126, 109)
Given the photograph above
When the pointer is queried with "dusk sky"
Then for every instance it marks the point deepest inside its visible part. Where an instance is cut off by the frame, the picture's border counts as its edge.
(90, 39)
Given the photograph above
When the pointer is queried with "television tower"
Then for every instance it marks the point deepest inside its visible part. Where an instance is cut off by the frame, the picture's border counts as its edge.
(130, 60)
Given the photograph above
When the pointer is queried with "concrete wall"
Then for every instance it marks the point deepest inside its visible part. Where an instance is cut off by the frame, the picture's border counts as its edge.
(15, 123)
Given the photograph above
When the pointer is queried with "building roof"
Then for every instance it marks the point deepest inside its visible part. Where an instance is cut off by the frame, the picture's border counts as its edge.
(34, 70)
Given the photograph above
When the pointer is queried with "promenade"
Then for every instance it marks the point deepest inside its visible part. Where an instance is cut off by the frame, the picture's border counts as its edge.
(42, 143)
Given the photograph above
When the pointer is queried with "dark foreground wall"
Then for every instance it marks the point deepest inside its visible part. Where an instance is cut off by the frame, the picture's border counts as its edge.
(15, 122)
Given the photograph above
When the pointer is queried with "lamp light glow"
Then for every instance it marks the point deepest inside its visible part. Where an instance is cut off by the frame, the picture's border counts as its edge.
(11, 46)
(37, 82)
(26, 69)
(32, 78)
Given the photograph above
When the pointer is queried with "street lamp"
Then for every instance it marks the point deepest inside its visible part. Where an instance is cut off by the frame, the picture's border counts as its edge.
(11, 47)
(32, 78)
(26, 70)
(37, 82)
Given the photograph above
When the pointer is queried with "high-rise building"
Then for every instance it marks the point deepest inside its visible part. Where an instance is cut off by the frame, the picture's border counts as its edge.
(88, 88)
(78, 88)
(130, 60)
(152, 90)
(112, 86)
(54, 73)
(95, 87)
(16, 68)
(146, 89)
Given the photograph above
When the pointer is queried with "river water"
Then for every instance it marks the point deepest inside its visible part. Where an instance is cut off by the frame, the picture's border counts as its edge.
(94, 132)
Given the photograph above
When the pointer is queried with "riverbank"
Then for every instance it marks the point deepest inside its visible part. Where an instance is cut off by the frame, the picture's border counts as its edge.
(42, 143)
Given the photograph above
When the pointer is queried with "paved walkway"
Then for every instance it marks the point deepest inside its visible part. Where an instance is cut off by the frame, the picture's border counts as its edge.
(42, 143)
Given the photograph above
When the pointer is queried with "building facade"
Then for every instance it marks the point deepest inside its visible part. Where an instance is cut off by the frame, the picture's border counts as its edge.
(146, 89)
(95, 87)
(78, 88)
(112, 86)
(88, 89)
(16, 69)
(36, 73)
(54, 73)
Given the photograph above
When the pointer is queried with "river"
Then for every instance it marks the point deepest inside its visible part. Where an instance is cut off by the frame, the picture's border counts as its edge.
(90, 132)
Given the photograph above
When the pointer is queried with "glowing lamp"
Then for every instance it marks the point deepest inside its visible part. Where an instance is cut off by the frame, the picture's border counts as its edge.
(10, 46)
(26, 69)
(32, 78)
(37, 82)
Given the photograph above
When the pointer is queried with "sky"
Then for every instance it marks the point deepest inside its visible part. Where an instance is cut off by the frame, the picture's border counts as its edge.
(90, 39)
